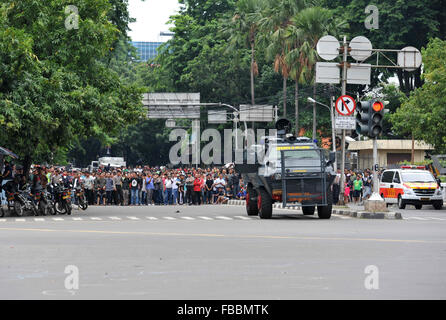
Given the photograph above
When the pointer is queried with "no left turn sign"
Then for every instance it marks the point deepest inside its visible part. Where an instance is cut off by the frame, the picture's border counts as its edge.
(345, 105)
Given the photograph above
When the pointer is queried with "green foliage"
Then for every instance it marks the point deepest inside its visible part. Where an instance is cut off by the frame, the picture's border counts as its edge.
(55, 87)
(423, 113)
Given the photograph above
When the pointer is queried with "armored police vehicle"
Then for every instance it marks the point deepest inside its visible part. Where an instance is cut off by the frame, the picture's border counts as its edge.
(292, 170)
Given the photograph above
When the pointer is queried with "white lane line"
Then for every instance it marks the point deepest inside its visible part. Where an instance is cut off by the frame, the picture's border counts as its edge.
(417, 218)
(205, 218)
(151, 218)
(78, 219)
(223, 218)
(439, 219)
(58, 219)
(96, 218)
(170, 218)
(20, 220)
(243, 218)
(115, 218)
(2, 220)
(39, 219)
(133, 218)
(187, 218)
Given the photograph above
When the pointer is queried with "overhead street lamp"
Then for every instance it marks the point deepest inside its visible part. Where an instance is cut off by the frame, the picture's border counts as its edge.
(333, 134)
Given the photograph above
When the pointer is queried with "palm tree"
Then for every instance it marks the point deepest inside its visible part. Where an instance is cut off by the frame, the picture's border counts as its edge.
(277, 18)
(307, 27)
(243, 29)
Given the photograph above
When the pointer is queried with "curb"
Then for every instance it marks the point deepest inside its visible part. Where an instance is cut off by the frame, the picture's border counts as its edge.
(345, 212)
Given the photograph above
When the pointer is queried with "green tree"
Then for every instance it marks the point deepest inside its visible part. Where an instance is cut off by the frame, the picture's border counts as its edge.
(423, 113)
(55, 87)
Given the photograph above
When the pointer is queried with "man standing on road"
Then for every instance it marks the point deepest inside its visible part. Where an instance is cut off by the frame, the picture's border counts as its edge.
(88, 186)
(357, 188)
(149, 188)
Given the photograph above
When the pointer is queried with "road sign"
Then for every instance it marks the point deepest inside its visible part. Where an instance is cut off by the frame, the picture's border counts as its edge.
(359, 73)
(409, 58)
(361, 48)
(217, 116)
(172, 105)
(327, 72)
(347, 123)
(256, 113)
(345, 105)
(328, 47)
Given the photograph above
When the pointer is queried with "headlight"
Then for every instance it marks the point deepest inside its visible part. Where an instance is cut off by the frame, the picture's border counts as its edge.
(438, 192)
(408, 191)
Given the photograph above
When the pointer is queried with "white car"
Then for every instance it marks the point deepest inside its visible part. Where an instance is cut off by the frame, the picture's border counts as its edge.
(410, 186)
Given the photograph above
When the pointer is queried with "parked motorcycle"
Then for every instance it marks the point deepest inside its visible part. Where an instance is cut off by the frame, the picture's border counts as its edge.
(25, 201)
(62, 200)
(81, 199)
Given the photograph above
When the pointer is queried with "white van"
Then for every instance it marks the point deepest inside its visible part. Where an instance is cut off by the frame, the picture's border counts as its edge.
(412, 186)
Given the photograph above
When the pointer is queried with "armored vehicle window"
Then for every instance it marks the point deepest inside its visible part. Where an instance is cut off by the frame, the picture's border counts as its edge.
(302, 154)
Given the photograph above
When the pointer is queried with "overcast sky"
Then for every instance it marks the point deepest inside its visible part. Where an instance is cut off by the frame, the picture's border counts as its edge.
(151, 17)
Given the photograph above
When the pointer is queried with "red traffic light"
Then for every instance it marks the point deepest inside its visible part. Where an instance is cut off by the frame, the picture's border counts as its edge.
(377, 106)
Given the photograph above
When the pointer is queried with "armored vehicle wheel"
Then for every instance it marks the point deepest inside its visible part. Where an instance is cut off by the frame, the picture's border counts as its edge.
(251, 205)
(324, 212)
(308, 211)
(264, 204)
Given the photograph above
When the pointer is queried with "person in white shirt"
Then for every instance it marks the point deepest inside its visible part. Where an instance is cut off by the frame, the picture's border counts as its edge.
(175, 183)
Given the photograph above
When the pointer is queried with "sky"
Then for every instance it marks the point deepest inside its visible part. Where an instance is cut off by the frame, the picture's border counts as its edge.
(151, 17)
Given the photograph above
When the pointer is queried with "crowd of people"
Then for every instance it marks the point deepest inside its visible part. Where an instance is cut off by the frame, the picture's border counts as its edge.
(358, 186)
(141, 185)
(145, 185)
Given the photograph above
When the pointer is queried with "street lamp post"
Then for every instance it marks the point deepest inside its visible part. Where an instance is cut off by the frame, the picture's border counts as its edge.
(333, 134)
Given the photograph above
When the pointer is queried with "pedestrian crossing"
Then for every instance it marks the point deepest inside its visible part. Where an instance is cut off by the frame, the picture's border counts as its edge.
(424, 219)
(127, 218)
(180, 218)
(151, 218)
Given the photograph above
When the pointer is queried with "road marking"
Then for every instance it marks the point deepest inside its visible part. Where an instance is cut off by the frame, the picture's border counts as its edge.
(39, 219)
(95, 218)
(170, 218)
(115, 218)
(133, 218)
(151, 218)
(235, 236)
(205, 218)
(20, 220)
(243, 218)
(223, 218)
(58, 219)
(78, 219)
(2, 220)
(417, 218)
(187, 218)
(432, 218)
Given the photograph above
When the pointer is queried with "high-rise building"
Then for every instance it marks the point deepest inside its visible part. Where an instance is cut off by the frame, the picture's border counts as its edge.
(146, 50)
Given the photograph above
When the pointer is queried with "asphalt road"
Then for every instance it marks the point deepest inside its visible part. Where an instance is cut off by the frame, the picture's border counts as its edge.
(216, 252)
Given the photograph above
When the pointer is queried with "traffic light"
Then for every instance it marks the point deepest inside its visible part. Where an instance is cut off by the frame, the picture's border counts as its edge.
(369, 118)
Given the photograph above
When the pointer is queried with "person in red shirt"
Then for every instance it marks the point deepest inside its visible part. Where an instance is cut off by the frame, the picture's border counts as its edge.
(198, 183)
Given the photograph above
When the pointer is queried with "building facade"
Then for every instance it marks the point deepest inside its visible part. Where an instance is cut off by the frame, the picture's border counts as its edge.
(146, 50)
(390, 152)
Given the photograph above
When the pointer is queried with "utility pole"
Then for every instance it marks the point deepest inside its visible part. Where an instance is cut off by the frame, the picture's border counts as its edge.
(344, 90)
